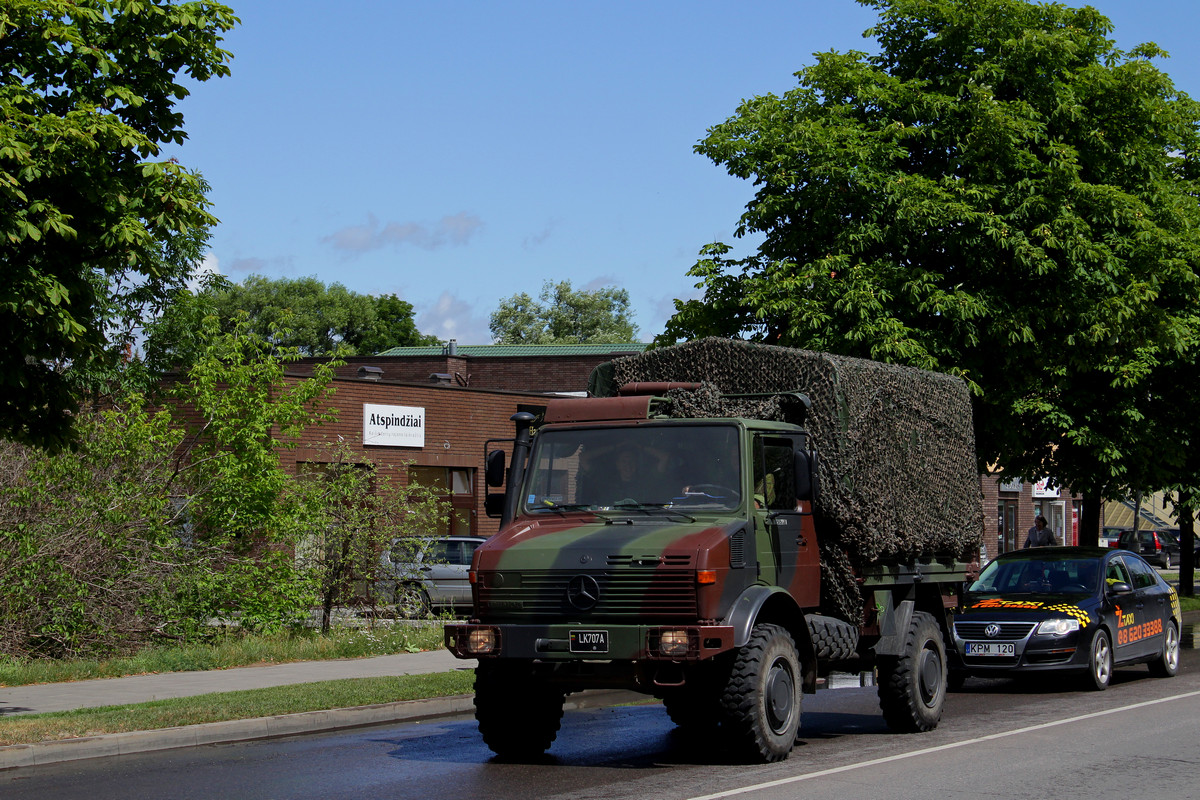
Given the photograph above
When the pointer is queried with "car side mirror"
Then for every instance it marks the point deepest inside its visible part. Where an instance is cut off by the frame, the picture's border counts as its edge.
(1120, 587)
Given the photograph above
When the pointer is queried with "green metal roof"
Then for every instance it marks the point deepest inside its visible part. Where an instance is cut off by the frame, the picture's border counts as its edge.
(501, 350)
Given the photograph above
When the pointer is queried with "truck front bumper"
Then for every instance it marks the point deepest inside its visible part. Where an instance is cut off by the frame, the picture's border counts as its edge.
(589, 642)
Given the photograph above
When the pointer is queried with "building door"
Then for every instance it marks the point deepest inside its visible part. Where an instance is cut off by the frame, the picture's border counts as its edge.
(1056, 516)
(1009, 536)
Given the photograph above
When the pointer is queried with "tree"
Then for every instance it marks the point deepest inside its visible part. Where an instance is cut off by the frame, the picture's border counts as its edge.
(564, 316)
(90, 223)
(999, 194)
(317, 319)
(394, 327)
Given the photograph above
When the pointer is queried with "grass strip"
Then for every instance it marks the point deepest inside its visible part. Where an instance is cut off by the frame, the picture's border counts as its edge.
(224, 706)
(235, 650)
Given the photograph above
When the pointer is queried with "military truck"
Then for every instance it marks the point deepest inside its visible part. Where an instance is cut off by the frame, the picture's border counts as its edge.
(695, 545)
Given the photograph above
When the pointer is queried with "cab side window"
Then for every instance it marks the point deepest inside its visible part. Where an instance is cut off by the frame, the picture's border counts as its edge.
(1143, 574)
(774, 474)
(1116, 573)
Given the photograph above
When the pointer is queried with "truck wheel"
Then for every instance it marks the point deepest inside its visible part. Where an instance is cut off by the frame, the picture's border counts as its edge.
(518, 715)
(695, 707)
(833, 639)
(761, 700)
(912, 687)
(693, 711)
(1167, 663)
(1100, 663)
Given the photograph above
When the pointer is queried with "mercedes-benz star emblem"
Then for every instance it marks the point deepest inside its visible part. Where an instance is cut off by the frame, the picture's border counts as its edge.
(992, 630)
(583, 592)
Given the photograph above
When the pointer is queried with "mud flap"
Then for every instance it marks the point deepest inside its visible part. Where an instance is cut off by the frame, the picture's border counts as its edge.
(893, 626)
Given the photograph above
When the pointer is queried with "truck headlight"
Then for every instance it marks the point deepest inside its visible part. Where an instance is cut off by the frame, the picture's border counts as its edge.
(673, 643)
(482, 641)
(1058, 627)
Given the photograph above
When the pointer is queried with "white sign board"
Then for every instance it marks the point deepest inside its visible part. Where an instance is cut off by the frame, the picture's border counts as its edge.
(1045, 489)
(393, 426)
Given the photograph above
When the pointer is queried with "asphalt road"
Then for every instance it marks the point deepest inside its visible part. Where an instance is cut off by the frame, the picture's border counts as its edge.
(997, 739)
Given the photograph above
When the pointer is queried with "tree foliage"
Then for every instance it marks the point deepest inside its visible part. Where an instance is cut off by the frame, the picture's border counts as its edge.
(317, 319)
(999, 194)
(563, 315)
(161, 521)
(91, 226)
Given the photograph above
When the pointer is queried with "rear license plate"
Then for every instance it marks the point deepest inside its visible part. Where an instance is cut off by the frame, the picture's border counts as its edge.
(589, 641)
(991, 649)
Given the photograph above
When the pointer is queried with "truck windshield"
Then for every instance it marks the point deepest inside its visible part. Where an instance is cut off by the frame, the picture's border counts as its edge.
(669, 466)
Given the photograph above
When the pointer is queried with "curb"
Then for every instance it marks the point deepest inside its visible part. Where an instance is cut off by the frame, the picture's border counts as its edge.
(121, 744)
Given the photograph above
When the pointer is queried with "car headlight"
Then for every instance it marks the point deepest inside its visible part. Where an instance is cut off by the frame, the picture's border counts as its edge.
(1058, 627)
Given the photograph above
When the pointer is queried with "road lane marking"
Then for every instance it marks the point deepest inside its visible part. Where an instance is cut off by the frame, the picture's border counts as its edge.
(952, 745)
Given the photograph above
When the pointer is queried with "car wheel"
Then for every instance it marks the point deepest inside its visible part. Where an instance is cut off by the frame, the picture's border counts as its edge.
(1166, 560)
(1100, 664)
(1167, 663)
(412, 602)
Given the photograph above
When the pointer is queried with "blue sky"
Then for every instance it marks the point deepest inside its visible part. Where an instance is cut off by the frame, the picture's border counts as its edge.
(455, 153)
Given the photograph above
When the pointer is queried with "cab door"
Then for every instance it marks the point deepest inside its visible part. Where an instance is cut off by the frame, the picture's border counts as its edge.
(1150, 606)
(1127, 609)
(786, 521)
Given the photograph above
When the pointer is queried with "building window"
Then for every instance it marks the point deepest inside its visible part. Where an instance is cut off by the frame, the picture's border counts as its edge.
(455, 486)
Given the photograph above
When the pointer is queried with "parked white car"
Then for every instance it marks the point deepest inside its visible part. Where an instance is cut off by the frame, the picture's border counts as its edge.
(428, 573)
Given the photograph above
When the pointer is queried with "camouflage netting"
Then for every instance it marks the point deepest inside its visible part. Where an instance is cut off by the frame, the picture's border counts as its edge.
(896, 444)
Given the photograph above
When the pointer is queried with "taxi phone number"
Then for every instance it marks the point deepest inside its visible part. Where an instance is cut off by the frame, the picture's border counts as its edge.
(1135, 633)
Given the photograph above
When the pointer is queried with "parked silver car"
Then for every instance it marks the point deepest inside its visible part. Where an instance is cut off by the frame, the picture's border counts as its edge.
(424, 574)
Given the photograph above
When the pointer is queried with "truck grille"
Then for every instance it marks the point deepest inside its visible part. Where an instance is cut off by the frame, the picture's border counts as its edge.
(626, 594)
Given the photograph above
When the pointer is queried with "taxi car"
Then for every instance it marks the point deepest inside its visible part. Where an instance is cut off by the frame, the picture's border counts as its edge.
(1072, 609)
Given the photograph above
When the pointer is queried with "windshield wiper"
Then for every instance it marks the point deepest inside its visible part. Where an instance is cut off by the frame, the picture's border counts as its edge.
(550, 505)
(653, 509)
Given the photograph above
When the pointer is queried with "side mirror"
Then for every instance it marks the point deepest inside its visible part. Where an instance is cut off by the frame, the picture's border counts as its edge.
(493, 505)
(806, 475)
(1120, 587)
(494, 472)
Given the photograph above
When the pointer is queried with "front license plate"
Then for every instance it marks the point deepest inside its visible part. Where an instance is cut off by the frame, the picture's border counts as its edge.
(991, 649)
(589, 641)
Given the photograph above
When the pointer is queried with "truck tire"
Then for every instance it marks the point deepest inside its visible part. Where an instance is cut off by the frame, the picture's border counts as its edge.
(833, 639)
(695, 707)
(518, 715)
(912, 687)
(761, 699)
(693, 711)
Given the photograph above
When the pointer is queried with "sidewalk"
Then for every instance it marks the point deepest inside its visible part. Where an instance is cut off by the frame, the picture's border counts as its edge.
(42, 698)
(144, 688)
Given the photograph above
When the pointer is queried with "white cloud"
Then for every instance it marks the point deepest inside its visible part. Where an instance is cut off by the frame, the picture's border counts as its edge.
(209, 265)
(454, 229)
(453, 318)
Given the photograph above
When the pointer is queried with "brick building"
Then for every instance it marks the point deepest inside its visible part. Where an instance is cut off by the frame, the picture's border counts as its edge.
(426, 413)
(1010, 507)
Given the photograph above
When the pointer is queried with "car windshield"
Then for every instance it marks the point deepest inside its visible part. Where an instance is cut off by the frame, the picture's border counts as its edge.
(643, 467)
(1038, 575)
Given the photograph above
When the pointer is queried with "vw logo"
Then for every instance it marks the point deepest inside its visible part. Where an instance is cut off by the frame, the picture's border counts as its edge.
(992, 630)
(583, 592)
